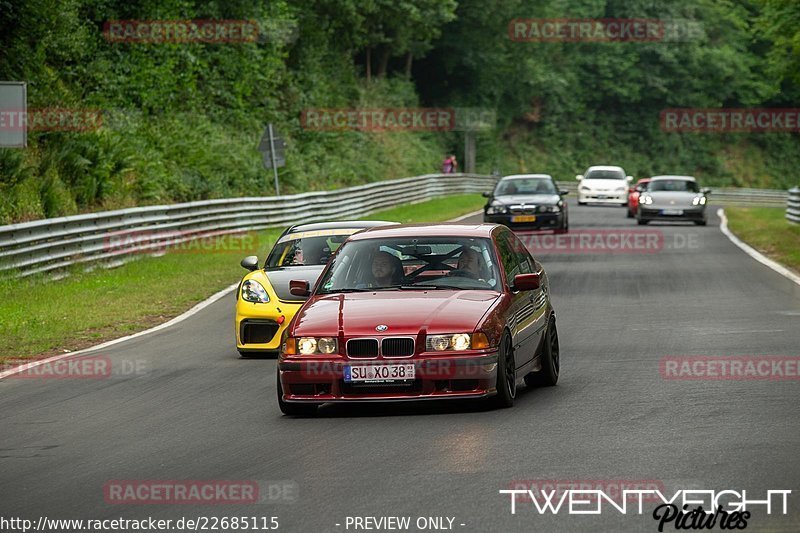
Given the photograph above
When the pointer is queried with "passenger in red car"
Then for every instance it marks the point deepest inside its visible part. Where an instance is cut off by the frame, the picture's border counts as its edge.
(469, 265)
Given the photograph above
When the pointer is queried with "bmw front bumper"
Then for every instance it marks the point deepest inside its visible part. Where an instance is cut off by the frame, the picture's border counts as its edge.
(439, 377)
(540, 220)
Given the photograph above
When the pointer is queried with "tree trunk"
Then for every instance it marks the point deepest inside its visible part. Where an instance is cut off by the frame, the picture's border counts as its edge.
(384, 63)
(409, 59)
(369, 64)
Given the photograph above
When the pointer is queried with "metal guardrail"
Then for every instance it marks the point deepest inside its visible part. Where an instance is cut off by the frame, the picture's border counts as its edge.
(793, 205)
(49, 244)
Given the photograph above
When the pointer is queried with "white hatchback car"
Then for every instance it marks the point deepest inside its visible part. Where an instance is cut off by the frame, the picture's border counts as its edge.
(603, 185)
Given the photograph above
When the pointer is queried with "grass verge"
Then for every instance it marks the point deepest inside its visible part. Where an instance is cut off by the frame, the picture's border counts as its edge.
(40, 316)
(767, 230)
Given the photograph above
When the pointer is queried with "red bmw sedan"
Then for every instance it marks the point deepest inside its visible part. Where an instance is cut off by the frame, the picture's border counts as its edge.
(420, 312)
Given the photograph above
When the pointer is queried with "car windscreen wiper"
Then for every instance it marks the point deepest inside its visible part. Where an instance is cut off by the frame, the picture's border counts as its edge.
(349, 289)
(445, 287)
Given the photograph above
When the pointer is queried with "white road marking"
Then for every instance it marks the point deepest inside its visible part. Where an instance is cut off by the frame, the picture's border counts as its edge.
(752, 252)
(464, 217)
(180, 318)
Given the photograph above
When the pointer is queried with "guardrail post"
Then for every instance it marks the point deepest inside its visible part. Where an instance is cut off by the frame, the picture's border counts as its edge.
(793, 206)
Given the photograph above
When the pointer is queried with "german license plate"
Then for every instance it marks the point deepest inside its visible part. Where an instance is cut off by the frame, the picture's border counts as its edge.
(378, 373)
(672, 211)
(524, 218)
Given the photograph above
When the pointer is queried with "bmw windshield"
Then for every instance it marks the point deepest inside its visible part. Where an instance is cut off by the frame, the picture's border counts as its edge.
(525, 186)
(413, 264)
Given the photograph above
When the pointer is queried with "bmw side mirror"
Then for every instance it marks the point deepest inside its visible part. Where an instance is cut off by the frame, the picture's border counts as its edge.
(299, 287)
(526, 282)
(629, 178)
(579, 177)
(486, 194)
(250, 263)
(705, 191)
(563, 192)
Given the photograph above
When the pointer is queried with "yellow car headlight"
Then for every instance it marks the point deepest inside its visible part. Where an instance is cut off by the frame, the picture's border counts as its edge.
(253, 291)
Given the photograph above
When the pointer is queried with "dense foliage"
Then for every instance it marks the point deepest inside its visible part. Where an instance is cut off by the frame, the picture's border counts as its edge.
(182, 120)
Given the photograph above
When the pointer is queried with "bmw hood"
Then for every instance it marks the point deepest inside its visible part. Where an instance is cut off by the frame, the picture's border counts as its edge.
(530, 199)
(404, 312)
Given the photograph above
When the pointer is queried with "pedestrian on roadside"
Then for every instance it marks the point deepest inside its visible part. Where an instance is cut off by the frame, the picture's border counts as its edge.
(449, 165)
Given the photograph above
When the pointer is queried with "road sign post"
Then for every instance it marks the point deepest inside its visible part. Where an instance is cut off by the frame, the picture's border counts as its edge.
(274, 165)
(272, 150)
(472, 120)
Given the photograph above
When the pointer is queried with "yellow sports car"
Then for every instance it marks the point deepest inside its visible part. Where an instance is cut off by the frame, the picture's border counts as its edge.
(264, 305)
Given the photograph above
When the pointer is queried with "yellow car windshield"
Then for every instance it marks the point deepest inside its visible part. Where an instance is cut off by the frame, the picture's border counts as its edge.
(308, 248)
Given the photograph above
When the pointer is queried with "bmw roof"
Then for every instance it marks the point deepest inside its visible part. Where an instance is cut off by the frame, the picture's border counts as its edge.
(524, 176)
(339, 224)
(427, 230)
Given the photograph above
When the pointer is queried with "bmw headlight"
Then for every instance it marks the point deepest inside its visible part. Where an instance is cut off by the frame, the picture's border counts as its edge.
(646, 199)
(314, 345)
(620, 189)
(584, 188)
(497, 209)
(455, 341)
(253, 291)
(551, 209)
(699, 200)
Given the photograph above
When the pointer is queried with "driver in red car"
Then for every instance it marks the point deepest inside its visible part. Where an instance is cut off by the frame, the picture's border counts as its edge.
(386, 270)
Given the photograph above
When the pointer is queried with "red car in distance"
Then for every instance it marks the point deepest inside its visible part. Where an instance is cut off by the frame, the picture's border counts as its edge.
(633, 196)
(415, 312)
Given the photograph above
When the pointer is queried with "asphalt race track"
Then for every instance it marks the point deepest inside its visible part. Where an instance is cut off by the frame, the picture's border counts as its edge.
(194, 411)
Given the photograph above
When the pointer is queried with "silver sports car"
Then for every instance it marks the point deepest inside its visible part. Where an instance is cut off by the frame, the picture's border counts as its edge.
(673, 198)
